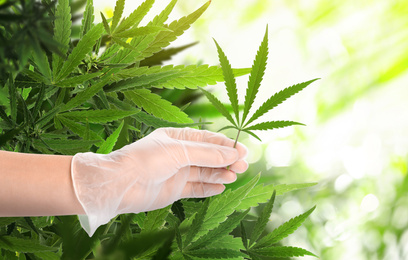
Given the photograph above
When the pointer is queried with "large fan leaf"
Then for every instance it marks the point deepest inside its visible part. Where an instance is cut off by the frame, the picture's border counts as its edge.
(107, 146)
(262, 220)
(261, 193)
(224, 205)
(215, 253)
(219, 106)
(272, 125)
(278, 98)
(164, 15)
(88, 19)
(284, 230)
(89, 92)
(117, 14)
(98, 116)
(177, 28)
(219, 232)
(79, 129)
(23, 245)
(230, 83)
(140, 31)
(197, 223)
(154, 104)
(281, 252)
(83, 47)
(135, 17)
(257, 73)
(62, 34)
(155, 219)
(158, 123)
(77, 80)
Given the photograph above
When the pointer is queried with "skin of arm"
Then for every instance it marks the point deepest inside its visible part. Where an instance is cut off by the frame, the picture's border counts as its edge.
(36, 185)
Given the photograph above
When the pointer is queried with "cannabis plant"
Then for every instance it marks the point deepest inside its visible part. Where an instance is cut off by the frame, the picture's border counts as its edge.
(245, 124)
(97, 89)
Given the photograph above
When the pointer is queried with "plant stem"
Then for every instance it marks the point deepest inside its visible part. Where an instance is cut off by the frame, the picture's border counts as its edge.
(236, 139)
(235, 144)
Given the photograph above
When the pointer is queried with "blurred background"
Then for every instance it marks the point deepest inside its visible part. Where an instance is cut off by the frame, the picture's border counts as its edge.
(355, 142)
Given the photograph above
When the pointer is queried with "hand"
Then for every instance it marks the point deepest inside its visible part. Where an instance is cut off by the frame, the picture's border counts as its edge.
(168, 164)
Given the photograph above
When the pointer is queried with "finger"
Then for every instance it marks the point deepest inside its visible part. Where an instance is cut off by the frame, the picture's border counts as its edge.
(189, 134)
(211, 175)
(239, 166)
(201, 190)
(208, 155)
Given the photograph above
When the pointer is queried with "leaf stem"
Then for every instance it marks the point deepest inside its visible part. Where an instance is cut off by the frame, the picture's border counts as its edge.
(235, 144)
(236, 139)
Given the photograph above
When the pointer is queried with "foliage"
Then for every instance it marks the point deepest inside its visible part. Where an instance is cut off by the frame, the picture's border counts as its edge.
(96, 87)
(255, 78)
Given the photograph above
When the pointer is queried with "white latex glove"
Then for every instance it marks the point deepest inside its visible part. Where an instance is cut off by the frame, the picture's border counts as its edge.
(168, 164)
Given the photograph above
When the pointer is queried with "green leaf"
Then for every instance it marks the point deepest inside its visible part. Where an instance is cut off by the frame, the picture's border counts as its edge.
(37, 77)
(140, 31)
(164, 55)
(197, 223)
(262, 220)
(170, 76)
(272, 125)
(41, 60)
(79, 129)
(284, 230)
(219, 106)
(155, 219)
(13, 98)
(278, 98)
(261, 193)
(47, 117)
(163, 39)
(135, 17)
(88, 19)
(62, 34)
(80, 51)
(257, 73)
(123, 43)
(98, 116)
(254, 135)
(105, 24)
(244, 236)
(107, 146)
(68, 144)
(158, 123)
(23, 245)
(281, 251)
(222, 230)
(155, 105)
(77, 80)
(224, 205)
(83, 96)
(229, 81)
(117, 14)
(164, 15)
(215, 253)
(165, 250)
(4, 221)
(142, 81)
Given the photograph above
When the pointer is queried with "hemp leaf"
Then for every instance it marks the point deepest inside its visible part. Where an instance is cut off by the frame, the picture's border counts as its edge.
(255, 78)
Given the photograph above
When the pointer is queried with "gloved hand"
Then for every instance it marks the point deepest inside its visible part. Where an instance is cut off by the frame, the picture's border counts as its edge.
(155, 171)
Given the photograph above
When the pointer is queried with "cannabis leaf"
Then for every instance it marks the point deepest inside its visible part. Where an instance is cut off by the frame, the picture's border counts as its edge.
(255, 78)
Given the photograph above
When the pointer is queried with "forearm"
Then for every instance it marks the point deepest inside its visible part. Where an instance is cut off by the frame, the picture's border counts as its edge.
(36, 185)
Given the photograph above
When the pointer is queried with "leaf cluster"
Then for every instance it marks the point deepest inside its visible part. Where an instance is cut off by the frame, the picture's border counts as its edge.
(67, 88)
(245, 123)
(189, 229)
